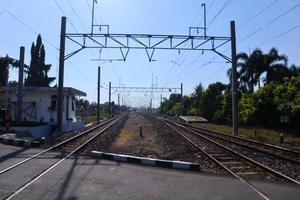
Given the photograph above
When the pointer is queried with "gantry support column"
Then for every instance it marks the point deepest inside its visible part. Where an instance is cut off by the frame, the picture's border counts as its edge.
(109, 100)
(234, 80)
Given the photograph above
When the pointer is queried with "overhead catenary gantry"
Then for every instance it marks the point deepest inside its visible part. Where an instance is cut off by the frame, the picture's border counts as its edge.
(150, 43)
(145, 90)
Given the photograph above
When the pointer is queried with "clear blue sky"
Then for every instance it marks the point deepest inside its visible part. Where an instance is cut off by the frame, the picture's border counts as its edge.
(21, 21)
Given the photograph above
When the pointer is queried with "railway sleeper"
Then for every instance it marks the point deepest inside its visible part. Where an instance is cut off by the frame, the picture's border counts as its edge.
(232, 163)
(247, 173)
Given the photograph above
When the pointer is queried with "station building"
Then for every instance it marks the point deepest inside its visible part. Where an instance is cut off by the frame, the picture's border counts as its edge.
(39, 106)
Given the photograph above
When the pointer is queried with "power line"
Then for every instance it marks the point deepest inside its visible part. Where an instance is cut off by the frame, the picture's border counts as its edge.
(27, 26)
(269, 23)
(191, 72)
(185, 54)
(283, 14)
(279, 35)
(63, 12)
(225, 5)
(259, 13)
(76, 14)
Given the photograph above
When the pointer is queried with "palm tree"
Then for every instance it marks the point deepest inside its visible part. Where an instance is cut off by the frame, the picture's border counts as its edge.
(275, 66)
(250, 69)
(294, 71)
(5, 63)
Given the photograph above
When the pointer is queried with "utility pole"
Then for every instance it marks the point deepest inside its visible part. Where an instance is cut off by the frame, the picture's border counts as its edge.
(61, 75)
(234, 80)
(119, 106)
(181, 100)
(98, 96)
(160, 99)
(20, 85)
(109, 100)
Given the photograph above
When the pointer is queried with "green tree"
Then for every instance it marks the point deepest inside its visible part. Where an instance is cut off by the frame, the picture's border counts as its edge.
(5, 63)
(250, 69)
(38, 70)
(275, 66)
(212, 99)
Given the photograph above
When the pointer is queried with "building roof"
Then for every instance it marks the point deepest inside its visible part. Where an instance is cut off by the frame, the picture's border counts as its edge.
(192, 119)
(66, 90)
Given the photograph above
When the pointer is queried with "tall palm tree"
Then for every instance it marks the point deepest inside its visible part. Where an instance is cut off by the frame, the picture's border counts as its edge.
(250, 68)
(275, 66)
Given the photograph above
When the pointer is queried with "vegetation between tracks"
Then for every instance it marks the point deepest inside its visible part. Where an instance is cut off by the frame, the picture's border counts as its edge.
(260, 134)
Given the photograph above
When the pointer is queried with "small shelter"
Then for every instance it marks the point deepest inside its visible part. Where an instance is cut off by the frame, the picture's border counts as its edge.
(39, 106)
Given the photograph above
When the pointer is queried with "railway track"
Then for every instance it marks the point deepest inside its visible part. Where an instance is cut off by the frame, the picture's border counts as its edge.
(71, 146)
(238, 165)
(290, 155)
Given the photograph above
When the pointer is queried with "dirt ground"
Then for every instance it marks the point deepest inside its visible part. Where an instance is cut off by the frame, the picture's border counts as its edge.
(130, 141)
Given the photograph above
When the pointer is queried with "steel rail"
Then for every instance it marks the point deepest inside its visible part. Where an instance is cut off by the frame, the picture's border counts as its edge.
(225, 137)
(20, 189)
(268, 169)
(262, 194)
(54, 147)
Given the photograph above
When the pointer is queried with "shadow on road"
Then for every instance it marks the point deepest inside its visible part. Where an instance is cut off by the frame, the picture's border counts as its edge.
(12, 154)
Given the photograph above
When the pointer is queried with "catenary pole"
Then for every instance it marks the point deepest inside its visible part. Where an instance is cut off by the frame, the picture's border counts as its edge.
(61, 75)
(20, 84)
(234, 80)
(98, 95)
(109, 100)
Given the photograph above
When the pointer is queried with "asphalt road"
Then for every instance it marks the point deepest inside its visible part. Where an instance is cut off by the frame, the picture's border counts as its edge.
(89, 178)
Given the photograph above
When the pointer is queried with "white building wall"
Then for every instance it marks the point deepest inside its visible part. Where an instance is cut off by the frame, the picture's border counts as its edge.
(43, 102)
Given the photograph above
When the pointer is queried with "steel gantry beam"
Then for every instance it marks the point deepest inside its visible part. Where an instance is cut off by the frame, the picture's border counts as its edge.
(149, 43)
(145, 89)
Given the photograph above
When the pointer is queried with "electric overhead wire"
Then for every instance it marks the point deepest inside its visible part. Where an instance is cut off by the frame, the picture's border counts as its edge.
(225, 5)
(269, 23)
(184, 55)
(108, 55)
(77, 16)
(76, 30)
(81, 23)
(27, 26)
(177, 62)
(257, 14)
(262, 27)
(278, 36)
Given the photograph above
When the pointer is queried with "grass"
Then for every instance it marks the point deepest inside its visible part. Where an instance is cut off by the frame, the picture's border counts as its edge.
(260, 134)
